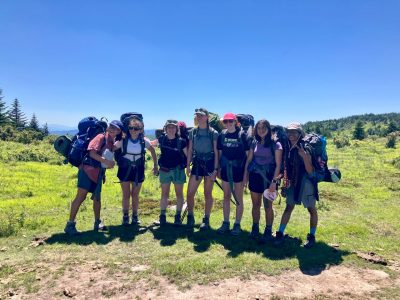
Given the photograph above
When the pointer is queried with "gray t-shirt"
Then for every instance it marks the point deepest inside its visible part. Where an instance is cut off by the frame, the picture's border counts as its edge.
(202, 142)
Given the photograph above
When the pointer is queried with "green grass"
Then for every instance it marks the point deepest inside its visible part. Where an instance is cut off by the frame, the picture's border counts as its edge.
(358, 214)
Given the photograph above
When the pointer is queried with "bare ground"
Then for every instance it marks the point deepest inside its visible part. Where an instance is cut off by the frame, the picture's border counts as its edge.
(90, 281)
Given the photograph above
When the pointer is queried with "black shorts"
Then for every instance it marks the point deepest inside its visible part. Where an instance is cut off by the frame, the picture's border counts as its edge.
(134, 171)
(256, 181)
(202, 168)
(236, 172)
(85, 183)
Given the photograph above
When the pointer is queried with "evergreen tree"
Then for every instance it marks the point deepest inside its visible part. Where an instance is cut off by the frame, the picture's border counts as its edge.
(17, 117)
(34, 123)
(359, 132)
(3, 110)
(392, 127)
(45, 129)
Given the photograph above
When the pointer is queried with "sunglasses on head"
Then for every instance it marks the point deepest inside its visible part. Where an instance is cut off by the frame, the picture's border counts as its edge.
(228, 121)
(135, 128)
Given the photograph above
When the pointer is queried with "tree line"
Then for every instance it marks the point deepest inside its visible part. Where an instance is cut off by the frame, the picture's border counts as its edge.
(14, 125)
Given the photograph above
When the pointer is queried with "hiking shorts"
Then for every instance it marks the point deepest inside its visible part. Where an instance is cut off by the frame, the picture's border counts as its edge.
(256, 182)
(202, 169)
(126, 175)
(306, 194)
(176, 176)
(237, 174)
(85, 183)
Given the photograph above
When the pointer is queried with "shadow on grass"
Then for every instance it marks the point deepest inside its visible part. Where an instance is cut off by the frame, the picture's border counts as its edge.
(311, 261)
(124, 234)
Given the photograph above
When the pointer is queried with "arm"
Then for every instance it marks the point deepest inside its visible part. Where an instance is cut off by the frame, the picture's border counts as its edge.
(250, 155)
(306, 159)
(154, 157)
(109, 163)
(189, 157)
(216, 161)
(278, 163)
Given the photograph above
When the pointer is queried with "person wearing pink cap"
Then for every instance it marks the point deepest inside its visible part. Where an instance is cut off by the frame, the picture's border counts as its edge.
(233, 149)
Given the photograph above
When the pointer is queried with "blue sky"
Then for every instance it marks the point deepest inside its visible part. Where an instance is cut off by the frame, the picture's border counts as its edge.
(279, 60)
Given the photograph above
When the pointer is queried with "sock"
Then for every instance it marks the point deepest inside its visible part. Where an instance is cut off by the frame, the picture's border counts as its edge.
(178, 212)
(206, 216)
(268, 229)
(282, 228)
(313, 230)
(256, 225)
(163, 211)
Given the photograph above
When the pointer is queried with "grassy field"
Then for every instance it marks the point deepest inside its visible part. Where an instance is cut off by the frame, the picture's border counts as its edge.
(359, 214)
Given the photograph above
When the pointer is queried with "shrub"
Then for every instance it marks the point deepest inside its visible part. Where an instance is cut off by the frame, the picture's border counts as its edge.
(341, 141)
(391, 141)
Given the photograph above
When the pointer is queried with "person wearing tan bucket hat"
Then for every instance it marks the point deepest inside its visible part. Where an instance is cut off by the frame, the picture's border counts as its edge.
(299, 170)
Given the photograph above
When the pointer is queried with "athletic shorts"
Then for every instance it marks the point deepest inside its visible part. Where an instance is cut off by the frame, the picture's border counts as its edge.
(126, 175)
(306, 194)
(85, 183)
(236, 172)
(256, 182)
(176, 176)
(204, 169)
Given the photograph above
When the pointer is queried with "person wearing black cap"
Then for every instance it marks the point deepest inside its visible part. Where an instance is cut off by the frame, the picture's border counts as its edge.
(202, 151)
(300, 172)
(90, 176)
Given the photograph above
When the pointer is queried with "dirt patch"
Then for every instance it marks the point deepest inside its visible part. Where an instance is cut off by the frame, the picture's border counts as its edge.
(92, 281)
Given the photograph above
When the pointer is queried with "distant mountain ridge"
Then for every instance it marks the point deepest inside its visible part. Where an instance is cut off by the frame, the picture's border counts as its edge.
(72, 132)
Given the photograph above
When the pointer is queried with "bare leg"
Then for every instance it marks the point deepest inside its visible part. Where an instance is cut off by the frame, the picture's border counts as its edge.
(179, 196)
(208, 187)
(164, 195)
(191, 191)
(76, 203)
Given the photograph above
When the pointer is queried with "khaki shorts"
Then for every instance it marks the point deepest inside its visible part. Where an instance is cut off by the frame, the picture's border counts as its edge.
(176, 176)
(306, 195)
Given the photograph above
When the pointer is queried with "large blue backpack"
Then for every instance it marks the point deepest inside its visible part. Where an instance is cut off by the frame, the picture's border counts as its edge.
(88, 129)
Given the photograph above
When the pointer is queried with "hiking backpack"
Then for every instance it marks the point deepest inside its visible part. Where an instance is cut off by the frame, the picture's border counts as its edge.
(126, 117)
(245, 121)
(316, 145)
(215, 122)
(75, 150)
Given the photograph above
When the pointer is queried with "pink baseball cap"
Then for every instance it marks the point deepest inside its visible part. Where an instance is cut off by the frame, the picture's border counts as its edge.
(229, 116)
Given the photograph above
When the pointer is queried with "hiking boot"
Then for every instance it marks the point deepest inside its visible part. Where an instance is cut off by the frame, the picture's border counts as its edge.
(224, 228)
(70, 229)
(163, 220)
(255, 232)
(190, 221)
(266, 237)
(205, 224)
(310, 241)
(125, 220)
(279, 238)
(236, 230)
(135, 220)
(99, 225)
(177, 220)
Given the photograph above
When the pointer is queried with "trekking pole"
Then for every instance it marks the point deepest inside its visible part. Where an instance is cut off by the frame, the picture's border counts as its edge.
(185, 210)
(236, 202)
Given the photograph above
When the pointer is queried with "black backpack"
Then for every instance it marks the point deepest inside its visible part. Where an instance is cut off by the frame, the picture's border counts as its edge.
(245, 121)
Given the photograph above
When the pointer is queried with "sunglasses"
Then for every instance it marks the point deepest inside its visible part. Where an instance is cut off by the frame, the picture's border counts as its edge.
(228, 121)
(135, 128)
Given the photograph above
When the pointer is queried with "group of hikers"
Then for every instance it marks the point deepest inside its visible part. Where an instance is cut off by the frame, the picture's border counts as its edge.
(251, 158)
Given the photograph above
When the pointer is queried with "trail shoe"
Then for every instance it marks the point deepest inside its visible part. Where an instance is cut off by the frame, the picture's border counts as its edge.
(135, 220)
(125, 220)
(236, 230)
(255, 232)
(310, 241)
(163, 220)
(70, 229)
(224, 228)
(99, 225)
(266, 237)
(205, 224)
(279, 238)
(177, 220)
(190, 221)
